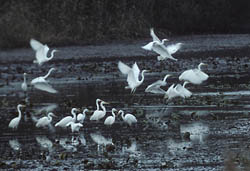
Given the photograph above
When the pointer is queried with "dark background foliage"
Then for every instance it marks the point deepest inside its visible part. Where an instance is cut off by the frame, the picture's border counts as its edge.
(69, 22)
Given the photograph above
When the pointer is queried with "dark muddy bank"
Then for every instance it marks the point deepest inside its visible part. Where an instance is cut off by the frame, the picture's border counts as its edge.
(209, 131)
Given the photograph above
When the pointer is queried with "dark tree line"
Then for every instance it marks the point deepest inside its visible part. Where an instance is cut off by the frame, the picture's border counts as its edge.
(67, 22)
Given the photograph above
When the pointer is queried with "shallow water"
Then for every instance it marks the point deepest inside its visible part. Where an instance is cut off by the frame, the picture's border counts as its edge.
(199, 133)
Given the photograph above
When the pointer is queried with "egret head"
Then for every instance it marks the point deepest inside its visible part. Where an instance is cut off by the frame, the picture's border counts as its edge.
(164, 40)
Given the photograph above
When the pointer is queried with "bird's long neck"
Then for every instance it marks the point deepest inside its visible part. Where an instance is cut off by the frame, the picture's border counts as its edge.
(24, 78)
(97, 105)
(103, 107)
(199, 66)
(185, 83)
(19, 112)
(122, 113)
(48, 73)
(165, 78)
(49, 117)
(113, 113)
(73, 112)
(51, 55)
(142, 76)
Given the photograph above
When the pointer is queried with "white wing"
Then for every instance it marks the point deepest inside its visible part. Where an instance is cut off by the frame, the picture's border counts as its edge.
(148, 46)
(35, 44)
(45, 87)
(41, 54)
(155, 38)
(190, 76)
(162, 50)
(173, 48)
(132, 81)
(123, 68)
(183, 91)
(155, 87)
(203, 76)
(136, 71)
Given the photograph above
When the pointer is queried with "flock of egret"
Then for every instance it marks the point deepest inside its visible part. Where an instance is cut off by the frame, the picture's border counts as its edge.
(194, 76)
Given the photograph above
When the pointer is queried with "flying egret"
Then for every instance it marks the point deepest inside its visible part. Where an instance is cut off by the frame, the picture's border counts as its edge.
(128, 118)
(194, 76)
(15, 122)
(44, 121)
(111, 119)
(41, 84)
(63, 122)
(132, 75)
(81, 116)
(173, 92)
(99, 114)
(155, 39)
(155, 87)
(41, 52)
(182, 90)
(75, 127)
(24, 84)
(164, 51)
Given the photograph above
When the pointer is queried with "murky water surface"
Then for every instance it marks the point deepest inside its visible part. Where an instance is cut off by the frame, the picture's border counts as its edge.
(209, 131)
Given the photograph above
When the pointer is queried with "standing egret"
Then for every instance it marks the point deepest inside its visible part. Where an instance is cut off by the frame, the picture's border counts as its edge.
(41, 52)
(155, 87)
(15, 122)
(75, 127)
(63, 122)
(194, 76)
(99, 114)
(111, 119)
(81, 116)
(41, 84)
(173, 92)
(24, 84)
(132, 75)
(128, 118)
(184, 91)
(44, 121)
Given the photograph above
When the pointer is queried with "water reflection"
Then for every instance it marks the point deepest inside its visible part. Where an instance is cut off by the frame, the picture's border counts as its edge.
(198, 131)
(44, 142)
(14, 144)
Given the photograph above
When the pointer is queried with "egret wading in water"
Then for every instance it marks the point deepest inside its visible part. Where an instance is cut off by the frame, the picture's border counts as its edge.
(75, 127)
(128, 118)
(156, 86)
(194, 76)
(41, 52)
(42, 84)
(24, 84)
(158, 46)
(15, 122)
(132, 75)
(81, 116)
(99, 114)
(63, 122)
(111, 119)
(44, 121)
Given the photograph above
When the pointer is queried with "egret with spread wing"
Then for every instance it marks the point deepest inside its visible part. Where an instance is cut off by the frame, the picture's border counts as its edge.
(156, 86)
(194, 76)
(41, 52)
(132, 75)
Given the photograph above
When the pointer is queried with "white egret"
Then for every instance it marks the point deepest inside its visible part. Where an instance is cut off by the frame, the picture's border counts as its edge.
(42, 84)
(41, 52)
(164, 51)
(44, 121)
(111, 119)
(81, 116)
(128, 118)
(155, 87)
(194, 76)
(15, 122)
(132, 75)
(24, 84)
(46, 109)
(155, 39)
(173, 92)
(182, 90)
(99, 114)
(63, 122)
(75, 127)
